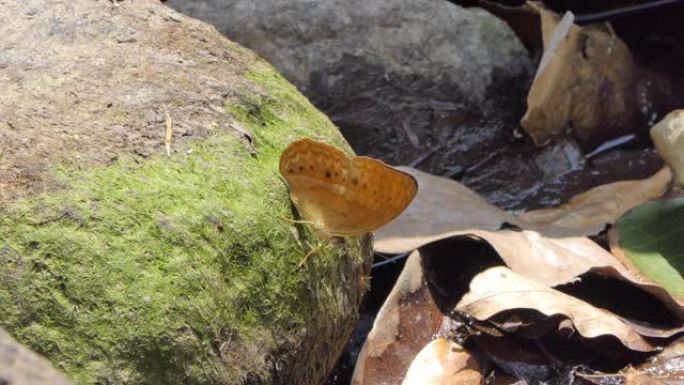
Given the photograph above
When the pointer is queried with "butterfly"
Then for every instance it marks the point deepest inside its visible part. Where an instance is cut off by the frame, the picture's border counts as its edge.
(343, 196)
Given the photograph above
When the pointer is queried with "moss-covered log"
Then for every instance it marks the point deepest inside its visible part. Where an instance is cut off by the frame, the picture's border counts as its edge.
(123, 265)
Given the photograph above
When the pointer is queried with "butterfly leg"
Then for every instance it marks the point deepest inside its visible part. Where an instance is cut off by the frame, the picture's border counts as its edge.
(297, 221)
(306, 257)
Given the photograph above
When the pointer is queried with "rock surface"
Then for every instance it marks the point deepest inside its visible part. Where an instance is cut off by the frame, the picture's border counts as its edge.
(20, 366)
(423, 83)
(142, 237)
(398, 77)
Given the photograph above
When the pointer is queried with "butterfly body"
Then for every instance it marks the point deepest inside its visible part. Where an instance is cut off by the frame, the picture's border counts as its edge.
(343, 196)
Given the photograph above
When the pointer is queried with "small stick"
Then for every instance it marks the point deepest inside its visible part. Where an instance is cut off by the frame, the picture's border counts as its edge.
(169, 134)
(427, 155)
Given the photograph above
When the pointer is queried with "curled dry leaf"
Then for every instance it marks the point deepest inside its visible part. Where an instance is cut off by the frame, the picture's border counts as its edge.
(668, 136)
(443, 362)
(499, 289)
(555, 261)
(443, 206)
(585, 80)
(406, 322)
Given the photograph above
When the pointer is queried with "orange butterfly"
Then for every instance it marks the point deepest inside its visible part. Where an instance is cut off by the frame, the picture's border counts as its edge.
(342, 196)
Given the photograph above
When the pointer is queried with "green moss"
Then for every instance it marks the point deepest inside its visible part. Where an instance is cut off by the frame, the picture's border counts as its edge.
(145, 270)
(283, 108)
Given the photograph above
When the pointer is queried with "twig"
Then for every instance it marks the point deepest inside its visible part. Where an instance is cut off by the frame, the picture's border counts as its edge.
(416, 162)
(625, 11)
(390, 260)
(169, 134)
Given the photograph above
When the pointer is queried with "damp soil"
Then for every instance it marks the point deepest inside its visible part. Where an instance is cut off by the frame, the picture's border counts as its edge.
(499, 162)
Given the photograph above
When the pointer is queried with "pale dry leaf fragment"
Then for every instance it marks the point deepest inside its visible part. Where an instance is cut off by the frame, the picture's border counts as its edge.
(668, 136)
(585, 81)
(443, 362)
(500, 289)
(405, 323)
(553, 34)
(169, 134)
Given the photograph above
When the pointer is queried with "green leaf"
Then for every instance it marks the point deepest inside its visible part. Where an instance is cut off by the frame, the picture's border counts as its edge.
(652, 238)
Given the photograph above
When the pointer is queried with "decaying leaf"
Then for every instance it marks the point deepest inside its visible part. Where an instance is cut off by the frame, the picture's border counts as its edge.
(443, 206)
(406, 322)
(585, 81)
(500, 289)
(668, 136)
(443, 362)
(650, 240)
(589, 212)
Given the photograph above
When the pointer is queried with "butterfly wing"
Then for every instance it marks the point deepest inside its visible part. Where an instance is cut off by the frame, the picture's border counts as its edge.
(379, 192)
(343, 196)
(316, 174)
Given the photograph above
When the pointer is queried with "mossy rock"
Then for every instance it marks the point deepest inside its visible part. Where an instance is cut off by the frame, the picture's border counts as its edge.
(123, 264)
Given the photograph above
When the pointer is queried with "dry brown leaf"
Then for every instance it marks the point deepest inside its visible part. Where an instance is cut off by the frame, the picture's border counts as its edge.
(406, 322)
(589, 212)
(443, 362)
(499, 289)
(555, 261)
(443, 206)
(668, 136)
(585, 80)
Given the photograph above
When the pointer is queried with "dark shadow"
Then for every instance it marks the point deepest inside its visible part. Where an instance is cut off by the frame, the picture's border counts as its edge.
(621, 298)
(450, 264)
